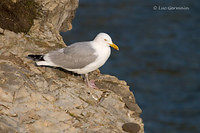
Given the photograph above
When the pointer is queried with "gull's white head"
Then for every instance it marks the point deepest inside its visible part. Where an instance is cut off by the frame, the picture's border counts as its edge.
(106, 40)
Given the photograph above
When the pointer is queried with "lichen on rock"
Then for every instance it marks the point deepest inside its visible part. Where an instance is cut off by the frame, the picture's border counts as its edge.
(43, 99)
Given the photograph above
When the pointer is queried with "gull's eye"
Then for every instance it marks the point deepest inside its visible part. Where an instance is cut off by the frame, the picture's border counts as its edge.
(105, 39)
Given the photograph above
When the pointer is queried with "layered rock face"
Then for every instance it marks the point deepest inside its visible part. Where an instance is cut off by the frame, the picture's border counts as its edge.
(50, 100)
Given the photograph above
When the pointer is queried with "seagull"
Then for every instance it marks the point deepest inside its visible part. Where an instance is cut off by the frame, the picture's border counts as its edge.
(80, 57)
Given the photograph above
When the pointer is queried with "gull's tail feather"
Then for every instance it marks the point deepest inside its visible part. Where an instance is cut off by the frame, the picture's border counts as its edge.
(43, 63)
(40, 61)
(36, 57)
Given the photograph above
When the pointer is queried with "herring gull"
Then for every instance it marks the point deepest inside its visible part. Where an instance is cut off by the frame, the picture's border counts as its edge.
(80, 57)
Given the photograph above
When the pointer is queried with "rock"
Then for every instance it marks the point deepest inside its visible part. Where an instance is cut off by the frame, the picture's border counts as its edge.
(18, 15)
(131, 127)
(44, 99)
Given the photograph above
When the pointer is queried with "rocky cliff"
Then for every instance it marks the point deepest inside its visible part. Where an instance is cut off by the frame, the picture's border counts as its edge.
(49, 100)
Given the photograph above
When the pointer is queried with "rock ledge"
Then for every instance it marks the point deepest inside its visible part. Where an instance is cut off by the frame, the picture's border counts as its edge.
(50, 100)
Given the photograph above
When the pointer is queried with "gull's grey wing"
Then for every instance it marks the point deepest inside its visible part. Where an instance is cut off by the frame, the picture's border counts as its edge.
(75, 56)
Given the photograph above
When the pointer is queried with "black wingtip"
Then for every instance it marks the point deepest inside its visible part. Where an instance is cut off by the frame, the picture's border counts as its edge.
(36, 57)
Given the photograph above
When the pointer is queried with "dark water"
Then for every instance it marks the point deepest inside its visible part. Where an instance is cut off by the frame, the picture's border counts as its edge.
(159, 56)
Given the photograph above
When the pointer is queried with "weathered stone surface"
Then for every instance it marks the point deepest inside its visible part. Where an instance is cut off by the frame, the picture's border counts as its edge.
(131, 127)
(48, 100)
(18, 15)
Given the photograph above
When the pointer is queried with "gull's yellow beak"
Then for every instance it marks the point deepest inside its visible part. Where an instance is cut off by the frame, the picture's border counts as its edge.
(114, 46)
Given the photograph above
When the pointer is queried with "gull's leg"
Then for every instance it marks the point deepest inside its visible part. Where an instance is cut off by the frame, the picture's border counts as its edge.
(90, 83)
